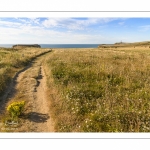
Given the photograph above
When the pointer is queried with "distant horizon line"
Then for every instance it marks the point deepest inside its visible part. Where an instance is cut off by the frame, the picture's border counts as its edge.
(72, 43)
(34, 43)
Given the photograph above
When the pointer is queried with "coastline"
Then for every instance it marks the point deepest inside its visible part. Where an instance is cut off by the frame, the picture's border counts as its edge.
(57, 45)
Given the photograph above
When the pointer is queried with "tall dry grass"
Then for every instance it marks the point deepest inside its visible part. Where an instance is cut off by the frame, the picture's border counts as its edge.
(12, 61)
(101, 90)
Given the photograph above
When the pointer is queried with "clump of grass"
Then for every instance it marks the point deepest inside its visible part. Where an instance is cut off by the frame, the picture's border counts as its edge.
(102, 90)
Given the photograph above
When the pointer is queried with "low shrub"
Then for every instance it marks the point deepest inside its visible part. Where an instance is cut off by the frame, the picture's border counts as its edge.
(15, 109)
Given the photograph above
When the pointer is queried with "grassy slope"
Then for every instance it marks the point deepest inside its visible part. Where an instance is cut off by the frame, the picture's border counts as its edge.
(101, 90)
(12, 61)
(133, 45)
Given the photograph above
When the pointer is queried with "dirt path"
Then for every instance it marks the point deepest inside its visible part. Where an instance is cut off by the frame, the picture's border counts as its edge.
(30, 85)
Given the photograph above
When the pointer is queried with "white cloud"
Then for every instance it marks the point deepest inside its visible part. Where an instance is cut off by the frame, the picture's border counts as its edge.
(121, 23)
(50, 23)
(32, 30)
(144, 28)
(30, 34)
(75, 24)
(9, 24)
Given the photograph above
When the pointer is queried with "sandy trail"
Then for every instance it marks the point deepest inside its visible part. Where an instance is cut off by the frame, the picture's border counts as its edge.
(40, 112)
(30, 85)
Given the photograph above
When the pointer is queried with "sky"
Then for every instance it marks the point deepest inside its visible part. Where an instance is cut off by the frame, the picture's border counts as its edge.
(73, 30)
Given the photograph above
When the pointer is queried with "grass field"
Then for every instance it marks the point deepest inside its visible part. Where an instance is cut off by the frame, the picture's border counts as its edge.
(12, 61)
(100, 90)
(90, 90)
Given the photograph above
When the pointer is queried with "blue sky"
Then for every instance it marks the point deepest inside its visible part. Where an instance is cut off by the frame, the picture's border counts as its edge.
(73, 30)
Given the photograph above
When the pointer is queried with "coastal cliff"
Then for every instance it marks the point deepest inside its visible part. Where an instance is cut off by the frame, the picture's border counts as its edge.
(18, 46)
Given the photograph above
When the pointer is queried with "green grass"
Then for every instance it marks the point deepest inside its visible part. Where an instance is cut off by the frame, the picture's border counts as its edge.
(12, 61)
(102, 90)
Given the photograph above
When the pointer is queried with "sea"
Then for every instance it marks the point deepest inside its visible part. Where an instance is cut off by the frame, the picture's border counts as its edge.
(58, 45)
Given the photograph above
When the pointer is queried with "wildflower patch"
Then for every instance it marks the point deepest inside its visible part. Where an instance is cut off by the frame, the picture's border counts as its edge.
(15, 109)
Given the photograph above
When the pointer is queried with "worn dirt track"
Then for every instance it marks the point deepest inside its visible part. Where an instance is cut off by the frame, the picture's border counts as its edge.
(30, 85)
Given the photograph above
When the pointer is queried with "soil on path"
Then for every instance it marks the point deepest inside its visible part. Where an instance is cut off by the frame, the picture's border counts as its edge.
(30, 85)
